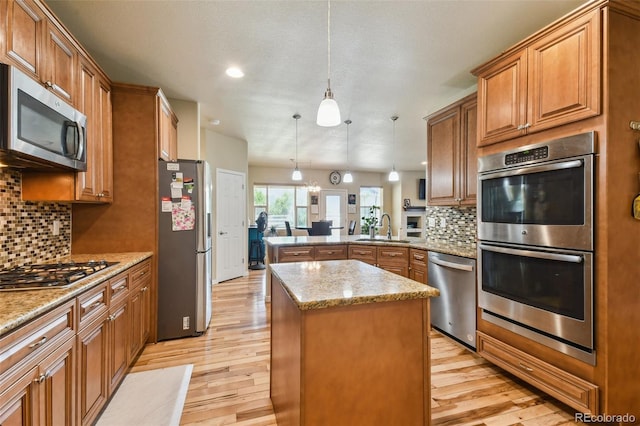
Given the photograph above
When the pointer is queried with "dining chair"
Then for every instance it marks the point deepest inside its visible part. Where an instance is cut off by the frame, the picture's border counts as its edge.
(320, 228)
(352, 227)
(288, 226)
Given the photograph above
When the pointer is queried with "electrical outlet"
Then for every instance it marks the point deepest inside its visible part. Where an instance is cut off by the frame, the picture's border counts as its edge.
(56, 227)
(432, 222)
(185, 323)
(443, 223)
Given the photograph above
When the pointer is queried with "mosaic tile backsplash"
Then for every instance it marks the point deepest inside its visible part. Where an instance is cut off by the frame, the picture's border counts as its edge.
(460, 225)
(26, 234)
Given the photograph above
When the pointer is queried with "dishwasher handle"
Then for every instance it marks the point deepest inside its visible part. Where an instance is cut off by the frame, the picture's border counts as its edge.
(452, 265)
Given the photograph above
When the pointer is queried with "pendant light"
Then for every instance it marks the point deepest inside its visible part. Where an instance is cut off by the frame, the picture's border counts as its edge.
(296, 175)
(347, 176)
(328, 112)
(393, 175)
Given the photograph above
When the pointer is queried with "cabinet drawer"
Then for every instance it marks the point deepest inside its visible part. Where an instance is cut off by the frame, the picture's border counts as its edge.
(37, 337)
(362, 252)
(140, 273)
(571, 390)
(393, 255)
(295, 254)
(417, 258)
(118, 287)
(333, 252)
(92, 304)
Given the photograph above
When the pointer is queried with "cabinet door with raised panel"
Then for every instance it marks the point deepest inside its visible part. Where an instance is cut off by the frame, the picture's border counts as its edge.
(92, 370)
(564, 74)
(19, 399)
(118, 357)
(61, 60)
(23, 26)
(86, 103)
(105, 135)
(469, 153)
(57, 386)
(502, 100)
(443, 135)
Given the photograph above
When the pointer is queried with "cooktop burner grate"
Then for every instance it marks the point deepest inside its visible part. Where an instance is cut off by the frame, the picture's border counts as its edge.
(49, 275)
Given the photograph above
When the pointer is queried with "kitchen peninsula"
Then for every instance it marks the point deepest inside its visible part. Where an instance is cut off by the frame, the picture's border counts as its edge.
(349, 345)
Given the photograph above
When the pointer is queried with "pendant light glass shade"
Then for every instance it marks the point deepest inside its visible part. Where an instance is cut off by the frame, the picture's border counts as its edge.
(393, 175)
(328, 112)
(296, 175)
(347, 176)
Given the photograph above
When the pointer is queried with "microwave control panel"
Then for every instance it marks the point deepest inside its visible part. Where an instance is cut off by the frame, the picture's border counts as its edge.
(529, 155)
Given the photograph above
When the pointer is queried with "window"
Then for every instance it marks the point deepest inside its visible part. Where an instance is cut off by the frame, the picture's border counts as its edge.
(282, 203)
(370, 196)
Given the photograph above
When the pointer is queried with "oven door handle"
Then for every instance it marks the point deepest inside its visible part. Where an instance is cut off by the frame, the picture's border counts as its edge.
(536, 169)
(452, 265)
(537, 254)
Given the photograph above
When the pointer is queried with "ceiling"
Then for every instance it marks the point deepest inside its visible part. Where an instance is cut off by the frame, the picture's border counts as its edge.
(404, 58)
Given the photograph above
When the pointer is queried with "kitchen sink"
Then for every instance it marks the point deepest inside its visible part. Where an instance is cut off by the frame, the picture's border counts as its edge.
(382, 240)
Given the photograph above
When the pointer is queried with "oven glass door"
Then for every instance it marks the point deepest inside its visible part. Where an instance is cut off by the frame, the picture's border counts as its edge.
(550, 291)
(544, 205)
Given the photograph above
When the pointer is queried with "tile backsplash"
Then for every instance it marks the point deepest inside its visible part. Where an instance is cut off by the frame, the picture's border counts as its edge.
(459, 228)
(26, 234)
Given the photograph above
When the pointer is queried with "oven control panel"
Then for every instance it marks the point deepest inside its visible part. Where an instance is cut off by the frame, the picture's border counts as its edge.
(529, 155)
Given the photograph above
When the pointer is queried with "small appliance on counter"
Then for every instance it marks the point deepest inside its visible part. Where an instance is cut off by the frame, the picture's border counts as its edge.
(184, 249)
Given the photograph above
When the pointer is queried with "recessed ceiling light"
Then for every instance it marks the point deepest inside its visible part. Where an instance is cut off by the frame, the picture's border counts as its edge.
(234, 72)
(214, 122)
(424, 163)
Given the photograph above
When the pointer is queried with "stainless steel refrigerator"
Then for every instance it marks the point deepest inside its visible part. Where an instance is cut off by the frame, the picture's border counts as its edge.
(184, 248)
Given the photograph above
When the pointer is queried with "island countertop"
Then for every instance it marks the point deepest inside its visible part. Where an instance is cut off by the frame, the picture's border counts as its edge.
(317, 285)
(19, 307)
(455, 249)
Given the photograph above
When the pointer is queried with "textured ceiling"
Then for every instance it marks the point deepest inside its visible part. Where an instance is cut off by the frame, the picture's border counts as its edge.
(405, 58)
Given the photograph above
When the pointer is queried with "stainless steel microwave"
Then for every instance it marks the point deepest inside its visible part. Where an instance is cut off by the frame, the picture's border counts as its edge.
(38, 130)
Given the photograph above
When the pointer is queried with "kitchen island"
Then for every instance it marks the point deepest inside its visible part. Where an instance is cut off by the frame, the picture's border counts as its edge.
(349, 345)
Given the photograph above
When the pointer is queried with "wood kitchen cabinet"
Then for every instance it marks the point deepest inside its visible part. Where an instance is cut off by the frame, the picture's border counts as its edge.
(389, 258)
(552, 81)
(418, 265)
(35, 43)
(38, 371)
(168, 129)
(139, 308)
(92, 96)
(363, 252)
(451, 154)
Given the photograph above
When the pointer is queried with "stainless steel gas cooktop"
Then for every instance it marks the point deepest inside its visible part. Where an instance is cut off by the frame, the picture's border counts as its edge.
(49, 275)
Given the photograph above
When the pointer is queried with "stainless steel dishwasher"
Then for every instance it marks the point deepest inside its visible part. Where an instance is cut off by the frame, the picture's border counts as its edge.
(454, 312)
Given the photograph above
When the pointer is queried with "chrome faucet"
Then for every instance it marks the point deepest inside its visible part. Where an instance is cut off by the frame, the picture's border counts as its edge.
(388, 227)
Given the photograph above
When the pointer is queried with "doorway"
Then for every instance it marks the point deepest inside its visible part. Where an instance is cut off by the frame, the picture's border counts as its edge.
(230, 224)
(333, 206)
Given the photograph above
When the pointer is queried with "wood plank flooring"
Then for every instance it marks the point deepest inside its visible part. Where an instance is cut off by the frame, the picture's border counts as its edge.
(230, 381)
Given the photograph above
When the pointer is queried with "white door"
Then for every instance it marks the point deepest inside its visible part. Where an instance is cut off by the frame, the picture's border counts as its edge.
(333, 206)
(231, 244)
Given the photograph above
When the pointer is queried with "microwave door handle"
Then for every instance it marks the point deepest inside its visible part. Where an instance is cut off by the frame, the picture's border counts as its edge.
(537, 254)
(537, 169)
(80, 136)
(452, 265)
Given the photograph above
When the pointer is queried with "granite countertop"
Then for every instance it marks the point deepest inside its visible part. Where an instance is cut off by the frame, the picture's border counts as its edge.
(317, 285)
(20, 306)
(419, 243)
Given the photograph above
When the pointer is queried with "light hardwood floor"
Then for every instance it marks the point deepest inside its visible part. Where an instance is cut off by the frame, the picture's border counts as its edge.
(230, 381)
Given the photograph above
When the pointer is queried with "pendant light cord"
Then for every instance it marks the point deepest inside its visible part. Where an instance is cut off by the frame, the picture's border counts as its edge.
(329, 45)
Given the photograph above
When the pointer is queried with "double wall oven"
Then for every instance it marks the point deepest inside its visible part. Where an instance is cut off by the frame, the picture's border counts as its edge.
(536, 242)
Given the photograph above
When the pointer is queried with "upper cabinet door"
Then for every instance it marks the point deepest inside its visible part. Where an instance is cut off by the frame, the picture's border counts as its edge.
(23, 26)
(502, 98)
(443, 136)
(564, 74)
(62, 57)
(468, 152)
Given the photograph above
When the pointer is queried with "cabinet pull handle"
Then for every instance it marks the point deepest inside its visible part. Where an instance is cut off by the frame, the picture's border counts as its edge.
(525, 368)
(94, 305)
(48, 84)
(120, 287)
(41, 378)
(111, 317)
(145, 288)
(418, 256)
(38, 343)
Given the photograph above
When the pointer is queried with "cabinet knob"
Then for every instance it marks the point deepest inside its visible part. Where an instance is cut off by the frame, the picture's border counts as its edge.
(48, 84)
